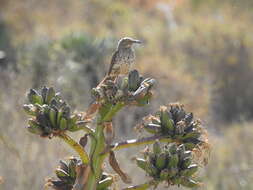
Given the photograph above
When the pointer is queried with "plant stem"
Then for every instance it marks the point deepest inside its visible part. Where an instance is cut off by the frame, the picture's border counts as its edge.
(84, 126)
(78, 148)
(142, 186)
(138, 142)
(112, 112)
(98, 144)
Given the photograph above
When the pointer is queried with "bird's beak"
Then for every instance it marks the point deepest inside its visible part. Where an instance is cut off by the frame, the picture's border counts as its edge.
(136, 41)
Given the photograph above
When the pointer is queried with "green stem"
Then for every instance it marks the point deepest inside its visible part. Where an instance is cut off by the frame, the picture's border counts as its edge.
(84, 126)
(98, 144)
(78, 148)
(138, 142)
(112, 112)
(142, 186)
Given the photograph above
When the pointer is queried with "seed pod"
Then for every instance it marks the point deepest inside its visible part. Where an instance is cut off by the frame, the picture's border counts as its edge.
(34, 97)
(72, 168)
(164, 174)
(64, 166)
(173, 161)
(53, 117)
(185, 154)
(72, 123)
(103, 184)
(133, 80)
(190, 183)
(186, 162)
(188, 118)
(161, 161)
(152, 128)
(38, 107)
(42, 120)
(189, 146)
(50, 95)
(30, 109)
(63, 124)
(66, 112)
(190, 170)
(167, 122)
(173, 148)
(179, 114)
(152, 170)
(143, 164)
(176, 180)
(181, 149)
(172, 172)
(189, 128)
(59, 116)
(59, 184)
(156, 121)
(152, 157)
(53, 102)
(45, 109)
(44, 91)
(157, 148)
(192, 135)
(61, 174)
(34, 127)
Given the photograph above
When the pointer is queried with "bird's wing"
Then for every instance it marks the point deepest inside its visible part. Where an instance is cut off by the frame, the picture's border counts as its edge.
(113, 60)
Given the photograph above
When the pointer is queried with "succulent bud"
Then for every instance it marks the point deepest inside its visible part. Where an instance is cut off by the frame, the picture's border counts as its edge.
(164, 175)
(63, 124)
(190, 170)
(156, 148)
(103, 184)
(166, 121)
(161, 161)
(53, 117)
(61, 174)
(133, 80)
(173, 161)
(50, 95)
(143, 164)
(190, 183)
(30, 109)
(34, 97)
(34, 127)
(152, 128)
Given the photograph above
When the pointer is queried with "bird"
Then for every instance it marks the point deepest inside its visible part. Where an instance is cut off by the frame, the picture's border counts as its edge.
(122, 58)
(121, 61)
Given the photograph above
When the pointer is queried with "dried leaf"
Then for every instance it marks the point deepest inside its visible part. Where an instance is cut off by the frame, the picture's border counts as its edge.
(114, 164)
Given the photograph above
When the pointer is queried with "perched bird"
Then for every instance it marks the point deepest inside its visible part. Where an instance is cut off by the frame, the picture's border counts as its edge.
(122, 58)
(121, 61)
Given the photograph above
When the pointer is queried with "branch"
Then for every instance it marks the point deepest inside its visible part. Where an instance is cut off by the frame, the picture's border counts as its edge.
(113, 111)
(83, 125)
(142, 141)
(78, 148)
(142, 186)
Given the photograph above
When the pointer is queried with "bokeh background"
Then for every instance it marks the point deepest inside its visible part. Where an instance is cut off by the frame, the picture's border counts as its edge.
(200, 52)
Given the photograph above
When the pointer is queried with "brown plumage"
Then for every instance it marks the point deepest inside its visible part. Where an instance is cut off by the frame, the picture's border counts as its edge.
(122, 58)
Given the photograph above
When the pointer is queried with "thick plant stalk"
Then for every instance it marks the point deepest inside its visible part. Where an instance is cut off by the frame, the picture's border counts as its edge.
(138, 142)
(98, 144)
(143, 186)
(78, 148)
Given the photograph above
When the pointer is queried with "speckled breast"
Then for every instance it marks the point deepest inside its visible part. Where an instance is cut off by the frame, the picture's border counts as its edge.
(125, 61)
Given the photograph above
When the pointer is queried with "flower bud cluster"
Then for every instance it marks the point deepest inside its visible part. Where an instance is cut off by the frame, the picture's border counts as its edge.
(171, 163)
(175, 123)
(50, 114)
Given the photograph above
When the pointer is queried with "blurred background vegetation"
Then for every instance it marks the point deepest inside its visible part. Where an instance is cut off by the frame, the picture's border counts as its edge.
(200, 52)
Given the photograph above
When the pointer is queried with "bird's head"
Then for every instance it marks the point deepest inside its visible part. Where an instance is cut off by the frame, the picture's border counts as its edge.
(127, 42)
